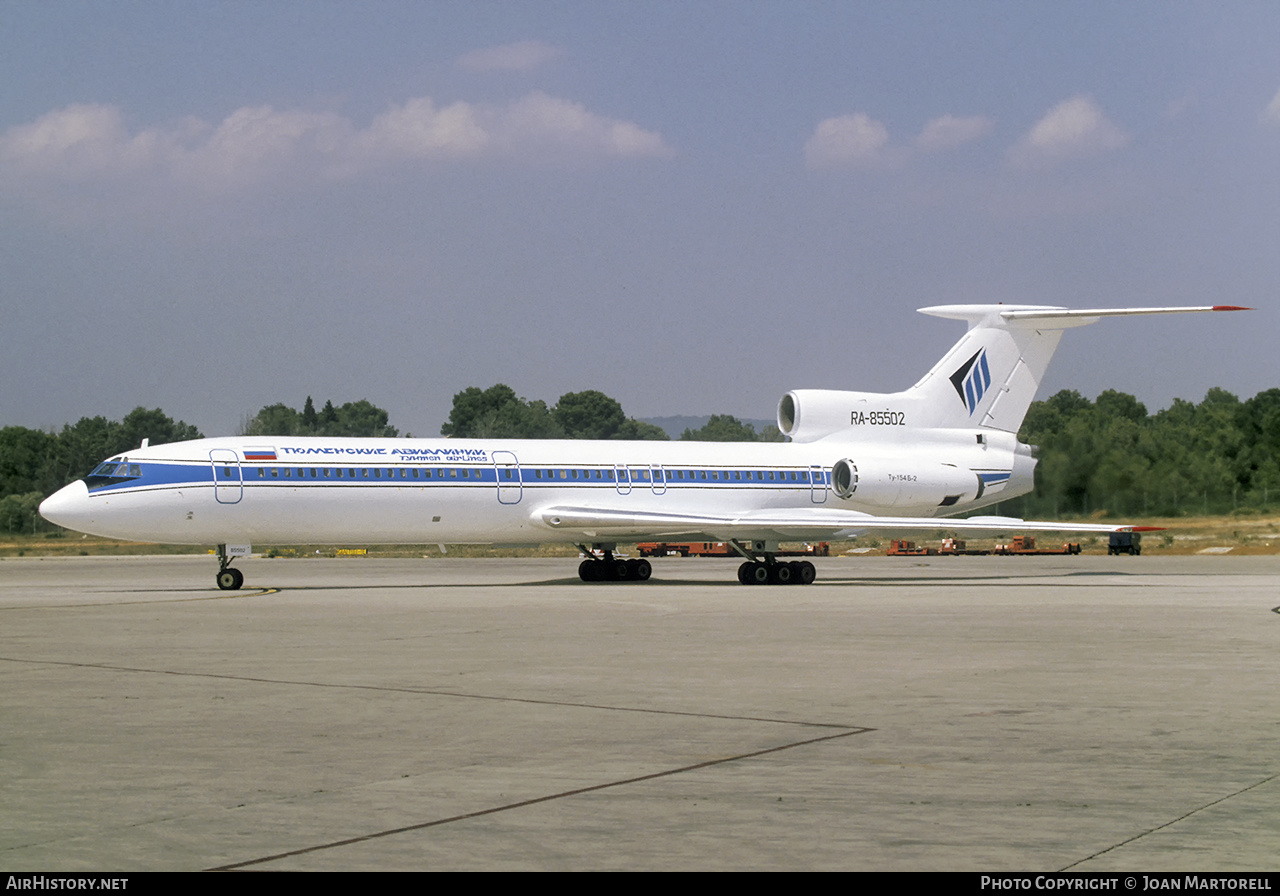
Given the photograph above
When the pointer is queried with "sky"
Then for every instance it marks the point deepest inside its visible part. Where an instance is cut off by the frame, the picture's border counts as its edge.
(692, 207)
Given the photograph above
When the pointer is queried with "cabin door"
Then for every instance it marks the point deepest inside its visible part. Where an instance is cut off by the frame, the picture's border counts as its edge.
(228, 480)
(507, 473)
(817, 484)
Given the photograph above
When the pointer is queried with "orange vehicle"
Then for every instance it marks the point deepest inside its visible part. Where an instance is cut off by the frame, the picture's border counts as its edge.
(900, 547)
(1025, 544)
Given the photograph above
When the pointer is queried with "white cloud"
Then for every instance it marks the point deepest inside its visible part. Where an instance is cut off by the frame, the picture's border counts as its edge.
(521, 56)
(1272, 112)
(419, 130)
(951, 131)
(92, 142)
(846, 140)
(1073, 128)
(539, 121)
(79, 141)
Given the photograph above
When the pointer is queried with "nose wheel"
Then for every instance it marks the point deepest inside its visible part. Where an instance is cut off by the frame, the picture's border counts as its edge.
(229, 578)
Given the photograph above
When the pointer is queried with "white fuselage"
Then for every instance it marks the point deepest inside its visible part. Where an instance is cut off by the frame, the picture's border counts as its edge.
(268, 490)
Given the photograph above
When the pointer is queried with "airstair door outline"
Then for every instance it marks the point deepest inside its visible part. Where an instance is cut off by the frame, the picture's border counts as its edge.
(817, 484)
(507, 474)
(228, 478)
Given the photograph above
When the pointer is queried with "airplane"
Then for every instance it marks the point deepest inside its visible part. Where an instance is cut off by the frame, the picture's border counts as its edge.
(855, 462)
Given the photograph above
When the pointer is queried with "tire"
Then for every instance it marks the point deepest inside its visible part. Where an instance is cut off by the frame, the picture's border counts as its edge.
(758, 574)
(230, 579)
(642, 570)
(805, 574)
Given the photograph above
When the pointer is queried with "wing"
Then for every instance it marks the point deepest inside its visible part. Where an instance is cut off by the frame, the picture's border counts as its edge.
(594, 523)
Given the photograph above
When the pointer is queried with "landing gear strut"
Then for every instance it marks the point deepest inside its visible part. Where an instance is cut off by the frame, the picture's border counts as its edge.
(229, 578)
(602, 566)
(771, 571)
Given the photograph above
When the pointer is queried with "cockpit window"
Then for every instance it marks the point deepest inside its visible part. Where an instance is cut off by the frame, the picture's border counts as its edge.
(112, 473)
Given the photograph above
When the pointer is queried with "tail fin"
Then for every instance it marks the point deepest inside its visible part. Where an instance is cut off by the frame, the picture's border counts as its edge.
(990, 377)
(986, 381)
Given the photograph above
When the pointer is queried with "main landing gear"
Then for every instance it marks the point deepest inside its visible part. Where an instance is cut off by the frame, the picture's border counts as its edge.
(770, 570)
(229, 578)
(797, 572)
(602, 566)
(762, 567)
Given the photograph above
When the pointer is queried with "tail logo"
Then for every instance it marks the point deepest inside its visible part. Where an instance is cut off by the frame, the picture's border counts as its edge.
(972, 379)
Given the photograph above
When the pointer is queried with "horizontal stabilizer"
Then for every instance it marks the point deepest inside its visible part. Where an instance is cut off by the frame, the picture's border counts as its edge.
(990, 377)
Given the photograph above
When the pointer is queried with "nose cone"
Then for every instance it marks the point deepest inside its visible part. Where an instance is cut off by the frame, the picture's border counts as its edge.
(68, 507)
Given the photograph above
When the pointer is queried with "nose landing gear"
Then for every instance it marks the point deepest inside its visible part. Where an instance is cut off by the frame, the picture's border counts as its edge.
(229, 578)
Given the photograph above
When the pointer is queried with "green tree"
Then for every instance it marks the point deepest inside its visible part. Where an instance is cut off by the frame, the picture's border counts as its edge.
(85, 444)
(589, 415)
(274, 420)
(633, 430)
(1048, 417)
(498, 413)
(721, 428)
(310, 419)
(154, 425)
(329, 415)
(1258, 461)
(361, 419)
(20, 513)
(355, 418)
(28, 461)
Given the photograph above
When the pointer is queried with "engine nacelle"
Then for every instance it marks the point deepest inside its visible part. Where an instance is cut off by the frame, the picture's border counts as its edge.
(807, 415)
(887, 484)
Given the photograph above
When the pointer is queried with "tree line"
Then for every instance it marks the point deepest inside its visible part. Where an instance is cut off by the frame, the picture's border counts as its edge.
(34, 463)
(1108, 456)
(1112, 456)
(498, 413)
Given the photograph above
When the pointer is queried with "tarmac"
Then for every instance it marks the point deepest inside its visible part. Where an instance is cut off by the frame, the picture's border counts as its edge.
(993, 714)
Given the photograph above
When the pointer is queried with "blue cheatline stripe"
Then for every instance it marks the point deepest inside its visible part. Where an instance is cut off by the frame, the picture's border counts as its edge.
(251, 474)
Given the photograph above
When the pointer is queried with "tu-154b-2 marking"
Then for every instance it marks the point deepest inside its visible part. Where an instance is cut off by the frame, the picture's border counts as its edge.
(856, 462)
